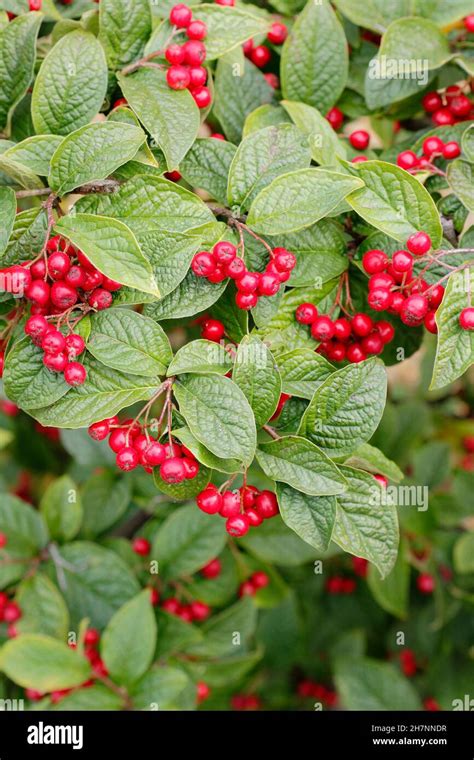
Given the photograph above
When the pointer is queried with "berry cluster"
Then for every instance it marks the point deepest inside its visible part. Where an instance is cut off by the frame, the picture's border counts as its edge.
(59, 350)
(408, 663)
(392, 286)
(10, 611)
(309, 688)
(347, 338)
(257, 580)
(242, 509)
(449, 107)
(246, 702)
(260, 55)
(433, 148)
(134, 446)
(194, 612)
(186, 71)
(339, 585)
(223, 262)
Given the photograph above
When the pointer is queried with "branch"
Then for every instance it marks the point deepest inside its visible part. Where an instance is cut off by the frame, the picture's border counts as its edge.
(272, 432)
(102, 186)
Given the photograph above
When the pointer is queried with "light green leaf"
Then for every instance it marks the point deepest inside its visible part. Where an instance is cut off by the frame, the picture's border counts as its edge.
(43, 608)
(62, 509)
(367, 457)
(323, 141)
(207, 164)
(17, 60)
(203, 454)
(468, 143)
(265, 116)
(193, 294)
(464, 554)
(218, 414)
(320, 250)
(163, 688)
(111, 247)
(314, 61)
(201, 356)
(443, 12)
(27, 237)
(392, 592)
(365, 684)
(43, 663)
(20, 174)
(275, 542)
(310, 517)
(461, 180)
(299, 199)
(34, 153)
(124, 29)
(27, 535)
(105, 499)
(303, 371)
(71, 84)
(171, 116)
(7, 215)
(170, 255)
(374, 14)
(256, 374)
(26, 380)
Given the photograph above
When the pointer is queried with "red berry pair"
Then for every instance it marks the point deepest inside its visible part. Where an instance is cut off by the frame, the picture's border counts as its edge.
(339, 585)
(196, 611)
(257, 581)
(450, 107)
(433, 148)
(186, 71)
(309, 688)
(242, 509)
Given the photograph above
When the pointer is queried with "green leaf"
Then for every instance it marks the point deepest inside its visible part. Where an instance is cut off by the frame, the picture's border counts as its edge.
(299, 199)
(127, 655)
(26, 380)
(461, 179)
(27, 535)
(302, 465)
(171, 116)
(443, 12)
(310, 517)
(303, 371)
(34, 153)
(203, 454)
(366, 521)
(228, 27)
(93, 698)
(111, 247)
(17, 60)
(43, 663)
(257, 376)
(455, 351)
(96, 582)
(200, 356)
(320, 252)
(275, 542)
(21, 175)
(219, 631)
(262, 157)
(239, 88)
(323, 141)
(124, 339)
(392, 592)
(93, 153)
(187, 541)
(105, 500)
(265, 116)
(218, 414)
(346, 409)
(193, 294)
(71, 84)
(468, 143)
(170, 255)
(163, 688)
(43, 608)
(463, 554)
(365, 684)
(367, 457)
(151, 203)
(7, 215)
(62, 509)
(395, 202)
(207, 164)
(314, 60)
(105, 393)
(124, 29)
(27, 237)
(374, 14)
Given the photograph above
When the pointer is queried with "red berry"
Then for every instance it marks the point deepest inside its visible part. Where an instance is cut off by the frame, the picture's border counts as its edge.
(272, 80)
(197, 76)
(407, 160)
(342, 329)
(402, 261)
(154, 596)
(277, 33)
(174, 54)
(374, 261)
(38, 292)
(3, 540)
(248, 283)
(246, 300)
(247, 589)
(213, 330)
(469, 23)
(217, 136)
(443, 117)
(266, 504)
(111, 285)
(359, 139)
(359, 159)
(451, 150)
(75, 374)
(209, 500)
(100, 299)
(322, 328)
(431, 102)
(335, 117)
(191, 466)
(385, 330)
(202, 96)
(379, 299)
(260, 579)
(253, 517)
(372, 344)
(91, 637)
(99, 430)
(141, 546)
(173, 470)
(194, 52)
(435, 295)
(63, 295)
(382, 280)
(203, 264)
(200, 611)
(75, 345)
(466, 318)
(468, 443)
(460, 106)
(355, 353)
(260, 56)
(269, 284)
(284, 260)
(361, 325)
(177, 77)
(55, 362)
(230, 504)
(237, 526)
(425, 583)
(196, 30)
(154, 454)
(11, 613)
(203, 691)
(414, 310)
(224, 252)
(127, 459)
(432, 145)
(430, 322)
(171, 605)
(306, 313)
(38, 270)
(118, 439)
(225, 2)
(212, 569)
(53, 342)
(76, 276)
(236, 269)
(36, 327)
(59, 265)
(419, 243)
(180, 15)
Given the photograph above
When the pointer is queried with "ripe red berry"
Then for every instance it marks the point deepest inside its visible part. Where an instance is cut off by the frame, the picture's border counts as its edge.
(443, 117)
(355, 353)
(230, 505)
(3, 540)
(253, 517)
(171, 605)
(236, 269)
(59, 265)
(127, 459)
(178, 77)
(12, 612)
(200, 611)
(154, 596)
(425, 583)
(379, 299)
(248, 283)
(419, 243)
(269, 284)
(430, 322)
(111, 285)
(224, 252)
(191, 466)
(284, 260)
(247, 589)
(217, 136)
(431, 102)
(260, 56)
(212, 569)
(237, 526)
(469, 23)
(385, 330)
(306, 313)
(246, 300)
(335, 117)
(432, 145)
(197, 76)
(154, 454)
(466, 318)
(382, 280)
(359, 139)
(63, 295)
(196, 30)
(402, 261)
(203, 264)
(209, 500)
(361, 325)
(202, 96)
(342, 329)
(260, 579)
(38, 269)
(374, 261)
(451, 150)
(372, 344)
(55, 362)
(100, 299)
(181, 15)
(460, 106)
(141, 546)
(174, 54)
(414, 310)
(322, 328)
(53, 342)
(277, 33)
(213, 330)
(173, 470)
(38, 291)
(266, 504)
(36, 327)
(407, 160)
(75, 345)
(99, 430)
(468, 443)
(435, 295)
(75, 374)
(76, 276)
(194, 52)
(203, 691)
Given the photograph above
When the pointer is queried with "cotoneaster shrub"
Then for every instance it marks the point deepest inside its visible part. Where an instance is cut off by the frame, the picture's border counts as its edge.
(206, 269)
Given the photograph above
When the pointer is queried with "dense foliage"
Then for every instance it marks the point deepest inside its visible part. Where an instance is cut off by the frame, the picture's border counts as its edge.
(220, 225)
